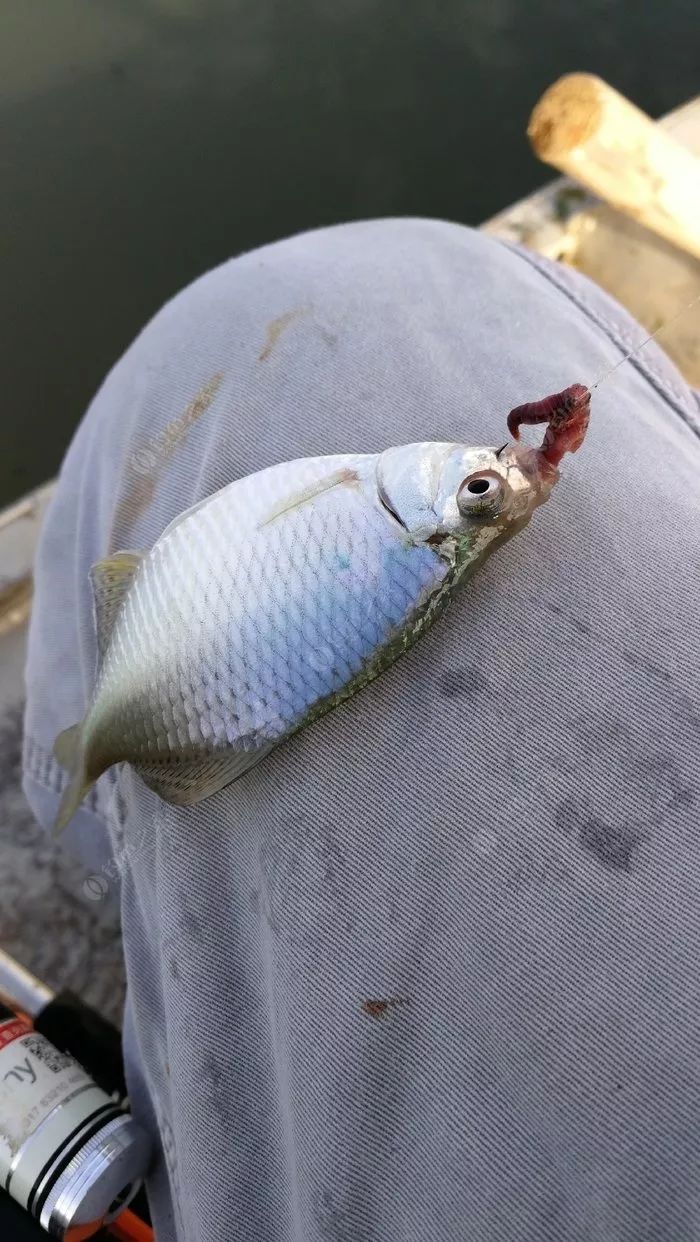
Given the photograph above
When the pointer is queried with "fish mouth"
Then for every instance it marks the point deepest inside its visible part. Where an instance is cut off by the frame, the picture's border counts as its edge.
(566, 415)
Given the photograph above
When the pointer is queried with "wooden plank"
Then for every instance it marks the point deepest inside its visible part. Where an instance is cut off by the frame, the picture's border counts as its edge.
(563, 221)
(650, 277)
(590, 132)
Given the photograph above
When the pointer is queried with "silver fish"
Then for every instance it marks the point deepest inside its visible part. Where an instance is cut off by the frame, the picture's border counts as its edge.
(272, 601)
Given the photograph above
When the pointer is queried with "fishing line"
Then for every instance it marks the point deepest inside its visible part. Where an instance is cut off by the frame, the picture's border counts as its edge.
(630, 354)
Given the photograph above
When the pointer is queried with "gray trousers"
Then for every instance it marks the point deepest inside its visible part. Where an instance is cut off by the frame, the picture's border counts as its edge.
(432, 970)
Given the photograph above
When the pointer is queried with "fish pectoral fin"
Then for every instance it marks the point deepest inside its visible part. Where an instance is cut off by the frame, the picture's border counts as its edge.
(111, 579)
(296, 499)
(188, 781)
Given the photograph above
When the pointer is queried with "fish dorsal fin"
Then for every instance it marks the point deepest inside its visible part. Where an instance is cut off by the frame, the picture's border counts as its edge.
(187, 513)
(111, 579)
(67, 745)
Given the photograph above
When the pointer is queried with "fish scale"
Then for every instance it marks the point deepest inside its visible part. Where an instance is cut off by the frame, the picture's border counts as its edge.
(309, 548)
(269, 603)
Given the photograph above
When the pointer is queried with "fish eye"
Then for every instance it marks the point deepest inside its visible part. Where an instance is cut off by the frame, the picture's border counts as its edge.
(481, 493)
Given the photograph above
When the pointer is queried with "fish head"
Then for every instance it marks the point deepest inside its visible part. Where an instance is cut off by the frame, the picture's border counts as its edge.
(501, 488)
(481, 496)
(490, 492)
(441, 490)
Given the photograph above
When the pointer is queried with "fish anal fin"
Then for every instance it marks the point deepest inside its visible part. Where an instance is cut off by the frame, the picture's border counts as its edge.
(188, 781)
(111, 579)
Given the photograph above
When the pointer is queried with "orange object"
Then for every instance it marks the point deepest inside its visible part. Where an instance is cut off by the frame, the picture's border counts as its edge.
(78, 1233)
(130, 1228)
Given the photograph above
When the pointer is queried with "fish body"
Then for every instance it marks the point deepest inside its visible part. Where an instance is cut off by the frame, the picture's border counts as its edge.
(267, 604)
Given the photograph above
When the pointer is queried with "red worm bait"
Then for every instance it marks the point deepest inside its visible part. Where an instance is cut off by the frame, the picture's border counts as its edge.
(566, 414)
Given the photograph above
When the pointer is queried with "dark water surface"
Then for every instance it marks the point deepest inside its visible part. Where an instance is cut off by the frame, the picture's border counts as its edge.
(143, 141)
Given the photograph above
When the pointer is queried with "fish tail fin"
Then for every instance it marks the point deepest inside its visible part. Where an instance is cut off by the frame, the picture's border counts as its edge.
(111, 579)
(70, 753)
